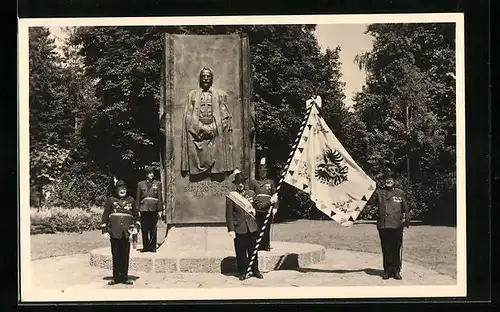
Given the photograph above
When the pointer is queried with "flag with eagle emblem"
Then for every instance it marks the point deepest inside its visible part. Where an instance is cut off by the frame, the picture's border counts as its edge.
(321, 167)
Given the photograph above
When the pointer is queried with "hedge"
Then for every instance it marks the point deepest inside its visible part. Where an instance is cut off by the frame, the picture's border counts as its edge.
(57, 219)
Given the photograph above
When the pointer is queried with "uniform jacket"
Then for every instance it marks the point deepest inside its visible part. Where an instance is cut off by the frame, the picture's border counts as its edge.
(391, 206)
(266, 186)
(237, 220)
(125, 205)
(145, 192)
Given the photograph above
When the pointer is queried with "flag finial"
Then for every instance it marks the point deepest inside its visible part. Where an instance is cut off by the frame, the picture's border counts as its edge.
(318, 101)
(314, 99)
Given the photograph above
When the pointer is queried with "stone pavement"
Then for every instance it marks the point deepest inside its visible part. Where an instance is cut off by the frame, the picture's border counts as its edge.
(341, 268)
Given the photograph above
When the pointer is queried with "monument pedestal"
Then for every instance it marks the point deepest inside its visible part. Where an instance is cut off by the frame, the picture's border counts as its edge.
(209, 250)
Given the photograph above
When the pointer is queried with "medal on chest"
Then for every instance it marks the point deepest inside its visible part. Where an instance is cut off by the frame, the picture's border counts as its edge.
(397, 199)
(268, 187)
(117, 206)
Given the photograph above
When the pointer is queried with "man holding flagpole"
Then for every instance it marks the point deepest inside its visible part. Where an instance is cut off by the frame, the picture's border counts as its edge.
(241, 225)
(392, 212)
(264, 189)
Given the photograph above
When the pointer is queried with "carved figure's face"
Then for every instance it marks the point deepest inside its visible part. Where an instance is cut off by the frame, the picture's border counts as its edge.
(206, 79)
(150, 176)
(121, 191)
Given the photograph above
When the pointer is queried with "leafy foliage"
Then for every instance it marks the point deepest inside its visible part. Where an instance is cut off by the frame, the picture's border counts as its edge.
(61, 97)
(48, 162)
(411, 67)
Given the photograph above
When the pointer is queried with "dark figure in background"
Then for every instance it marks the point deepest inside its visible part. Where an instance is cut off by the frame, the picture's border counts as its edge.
(150, 202)
(119, 219)
(242, 227)
(265, 197)
(392, 212)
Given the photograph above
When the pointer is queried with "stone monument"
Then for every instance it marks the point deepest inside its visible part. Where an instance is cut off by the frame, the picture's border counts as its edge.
(207, 121)
(205, 115)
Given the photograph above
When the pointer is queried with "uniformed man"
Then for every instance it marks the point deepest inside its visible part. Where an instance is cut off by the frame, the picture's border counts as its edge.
(150, 202)
(265, 197)
(241, 225)
(392, 217)
(119, 219)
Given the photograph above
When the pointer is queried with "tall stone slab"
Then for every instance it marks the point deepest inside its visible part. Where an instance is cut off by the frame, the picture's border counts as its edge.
(192, 197)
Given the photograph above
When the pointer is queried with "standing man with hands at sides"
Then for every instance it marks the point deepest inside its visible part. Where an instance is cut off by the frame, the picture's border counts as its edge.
(241, 225)
(265, 197)
(119, 220)
(150, 202)
(392, 217)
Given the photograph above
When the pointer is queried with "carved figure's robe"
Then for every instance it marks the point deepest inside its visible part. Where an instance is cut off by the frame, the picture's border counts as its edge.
(207, 133)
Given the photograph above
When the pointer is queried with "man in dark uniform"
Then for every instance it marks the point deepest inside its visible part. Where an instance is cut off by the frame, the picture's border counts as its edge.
(150, 202)
(392, 212)
(118, 221)
(265, 197)
(241, 225)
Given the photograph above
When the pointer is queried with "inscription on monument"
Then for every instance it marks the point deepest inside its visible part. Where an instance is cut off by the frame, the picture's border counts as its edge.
(207, 188)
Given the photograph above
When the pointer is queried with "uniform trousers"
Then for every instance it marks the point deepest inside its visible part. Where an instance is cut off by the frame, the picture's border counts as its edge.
(260, 217)
(120, 250)
(391, 241)
(149, 221)
(244, 245)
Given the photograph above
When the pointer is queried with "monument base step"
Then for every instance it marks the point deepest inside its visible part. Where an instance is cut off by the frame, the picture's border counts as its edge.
(209, 250)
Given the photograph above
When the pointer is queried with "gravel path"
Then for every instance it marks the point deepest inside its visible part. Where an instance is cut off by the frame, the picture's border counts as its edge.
(341, 268)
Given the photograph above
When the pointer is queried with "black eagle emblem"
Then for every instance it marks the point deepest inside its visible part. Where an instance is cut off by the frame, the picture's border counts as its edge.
(331, 171)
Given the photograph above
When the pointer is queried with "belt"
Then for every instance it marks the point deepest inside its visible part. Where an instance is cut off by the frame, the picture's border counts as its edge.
(150, 198)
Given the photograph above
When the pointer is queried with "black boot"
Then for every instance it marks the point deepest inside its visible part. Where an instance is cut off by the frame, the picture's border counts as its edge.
(258, 275)
(386, 275)
(242, 277)
(397, 276)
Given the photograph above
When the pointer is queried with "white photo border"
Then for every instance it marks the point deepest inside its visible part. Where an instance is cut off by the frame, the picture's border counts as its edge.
(250, 293)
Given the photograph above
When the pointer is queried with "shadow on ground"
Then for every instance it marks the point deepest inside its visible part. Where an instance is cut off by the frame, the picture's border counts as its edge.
(290, 262)
(228, 265)
(368, 271)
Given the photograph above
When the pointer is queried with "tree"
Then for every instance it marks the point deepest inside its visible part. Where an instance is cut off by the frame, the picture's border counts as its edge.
(49, 116)
(411, 66)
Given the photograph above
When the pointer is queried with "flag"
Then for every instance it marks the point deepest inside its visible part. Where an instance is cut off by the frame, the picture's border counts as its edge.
(322, 168)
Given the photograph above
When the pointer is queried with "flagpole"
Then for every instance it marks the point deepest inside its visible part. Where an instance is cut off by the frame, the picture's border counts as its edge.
(283, 174)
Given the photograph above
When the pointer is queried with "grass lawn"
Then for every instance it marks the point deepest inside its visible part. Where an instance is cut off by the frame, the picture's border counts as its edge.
(431, 246)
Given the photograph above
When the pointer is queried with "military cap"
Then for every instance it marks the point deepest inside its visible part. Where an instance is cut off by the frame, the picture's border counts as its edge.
(239, 178)
(388, 174)
(120, 183)
(149, 169)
